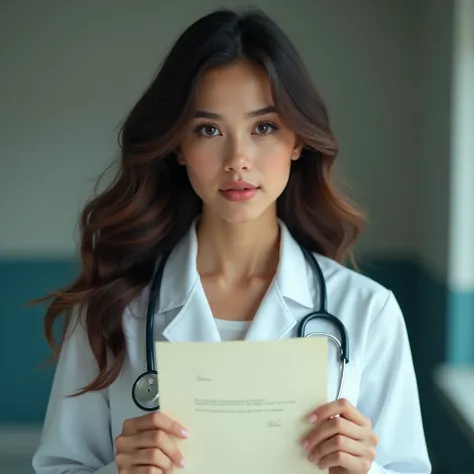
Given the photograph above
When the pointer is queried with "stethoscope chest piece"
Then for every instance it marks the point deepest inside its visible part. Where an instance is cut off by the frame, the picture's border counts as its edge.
(145, 391)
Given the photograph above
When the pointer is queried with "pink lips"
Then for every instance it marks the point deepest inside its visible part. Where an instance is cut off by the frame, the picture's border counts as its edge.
(239, 191)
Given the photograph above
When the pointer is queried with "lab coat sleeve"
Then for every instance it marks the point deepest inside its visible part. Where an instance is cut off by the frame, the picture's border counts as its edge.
(76, 437)
(389, 395)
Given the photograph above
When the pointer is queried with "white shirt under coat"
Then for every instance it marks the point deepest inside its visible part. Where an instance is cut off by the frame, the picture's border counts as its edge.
(78, 435)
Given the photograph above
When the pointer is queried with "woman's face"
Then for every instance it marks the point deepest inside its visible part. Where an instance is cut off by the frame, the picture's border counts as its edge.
(237, 151)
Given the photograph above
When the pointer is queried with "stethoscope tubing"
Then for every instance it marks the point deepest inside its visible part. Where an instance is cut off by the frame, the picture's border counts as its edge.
(145, 392)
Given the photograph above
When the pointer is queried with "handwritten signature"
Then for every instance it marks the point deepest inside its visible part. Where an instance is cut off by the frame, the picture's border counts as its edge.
(202, 378)
(274, 423)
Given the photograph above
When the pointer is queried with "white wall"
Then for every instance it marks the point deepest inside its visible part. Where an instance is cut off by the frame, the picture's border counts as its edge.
(435, 67)
(71, 70)
(446, 165)
(461, 248)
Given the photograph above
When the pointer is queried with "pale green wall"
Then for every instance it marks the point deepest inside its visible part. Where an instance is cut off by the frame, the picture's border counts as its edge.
(71, 70)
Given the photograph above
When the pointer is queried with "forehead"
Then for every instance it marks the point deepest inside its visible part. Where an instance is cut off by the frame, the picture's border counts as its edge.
(236, 88)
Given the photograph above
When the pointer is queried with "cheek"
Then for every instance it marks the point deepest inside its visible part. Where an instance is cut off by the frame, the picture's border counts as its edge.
(203, 167)
(275, 165)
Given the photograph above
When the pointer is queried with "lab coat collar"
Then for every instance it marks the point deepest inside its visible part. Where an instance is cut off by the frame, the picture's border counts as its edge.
(181, 288)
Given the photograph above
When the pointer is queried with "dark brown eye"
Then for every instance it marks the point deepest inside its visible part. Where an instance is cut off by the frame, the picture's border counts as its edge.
(264, 128)
(206, 130)
(209, 130)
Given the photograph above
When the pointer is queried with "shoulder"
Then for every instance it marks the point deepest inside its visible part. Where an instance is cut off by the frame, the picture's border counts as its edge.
(351, 280)
(358, 296)
(370, 313)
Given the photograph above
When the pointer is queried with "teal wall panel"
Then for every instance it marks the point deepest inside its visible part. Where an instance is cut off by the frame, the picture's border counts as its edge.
(461, 328)
(26, 385)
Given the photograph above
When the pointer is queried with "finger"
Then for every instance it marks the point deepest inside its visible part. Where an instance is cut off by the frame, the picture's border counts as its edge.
(340, 459)
(146, 470)
(135, 462)
(342, 407)
(327, 429)
(347, 461)
(161, 440)
(153, 457)
(147, 439)
(154, 421)
(335, 444)
(143, 470)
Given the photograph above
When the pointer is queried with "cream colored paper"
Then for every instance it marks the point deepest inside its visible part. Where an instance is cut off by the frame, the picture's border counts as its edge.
(244, 402)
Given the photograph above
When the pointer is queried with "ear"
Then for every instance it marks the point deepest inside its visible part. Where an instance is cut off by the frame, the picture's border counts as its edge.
(180, 158)
(297, 150)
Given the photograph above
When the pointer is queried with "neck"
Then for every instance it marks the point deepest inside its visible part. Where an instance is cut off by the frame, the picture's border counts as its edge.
(238, 251)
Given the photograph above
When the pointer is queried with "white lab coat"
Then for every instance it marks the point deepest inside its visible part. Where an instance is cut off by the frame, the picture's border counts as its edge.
(78, 434)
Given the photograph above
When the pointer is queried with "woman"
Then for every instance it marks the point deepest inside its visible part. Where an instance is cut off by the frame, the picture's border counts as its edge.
(226, 162)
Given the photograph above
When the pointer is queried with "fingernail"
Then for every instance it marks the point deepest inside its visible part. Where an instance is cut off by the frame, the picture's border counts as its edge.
(311, 458)
(181, 463)
(185, 433)
(305, 444)
(312, 418)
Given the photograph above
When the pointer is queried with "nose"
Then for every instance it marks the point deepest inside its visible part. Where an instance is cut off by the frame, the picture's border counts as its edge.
(238, 157)
(237, 165)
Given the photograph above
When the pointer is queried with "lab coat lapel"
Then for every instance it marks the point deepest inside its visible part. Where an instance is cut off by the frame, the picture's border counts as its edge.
(195, 321)
(181, 291)
(273, 319)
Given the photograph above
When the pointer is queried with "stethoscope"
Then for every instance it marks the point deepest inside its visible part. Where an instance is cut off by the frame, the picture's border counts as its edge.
(145, 392)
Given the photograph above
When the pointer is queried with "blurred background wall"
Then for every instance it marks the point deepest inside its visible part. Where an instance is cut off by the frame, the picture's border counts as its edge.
(398, 78)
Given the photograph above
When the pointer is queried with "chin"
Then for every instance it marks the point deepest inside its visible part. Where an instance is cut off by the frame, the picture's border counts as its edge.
(242, 215)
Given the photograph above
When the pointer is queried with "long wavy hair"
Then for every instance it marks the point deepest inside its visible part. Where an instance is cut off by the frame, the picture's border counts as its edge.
(150, 203)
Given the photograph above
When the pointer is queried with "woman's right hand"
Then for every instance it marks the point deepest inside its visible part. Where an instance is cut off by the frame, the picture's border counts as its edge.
(145, 445)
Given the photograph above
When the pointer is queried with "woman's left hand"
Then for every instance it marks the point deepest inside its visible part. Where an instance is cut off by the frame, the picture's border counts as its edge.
(345, 442)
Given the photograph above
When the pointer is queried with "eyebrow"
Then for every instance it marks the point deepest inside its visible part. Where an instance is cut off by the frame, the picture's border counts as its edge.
(256, 113)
